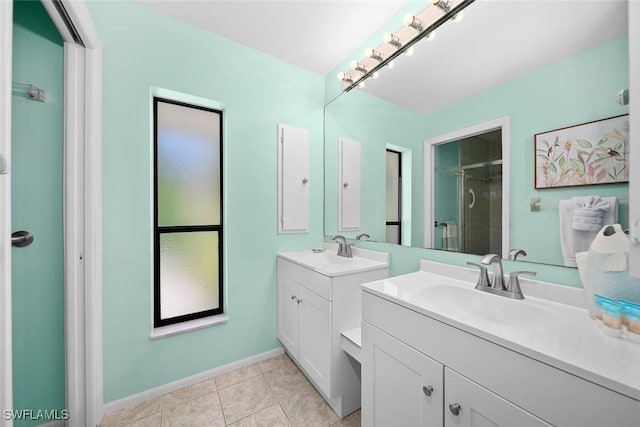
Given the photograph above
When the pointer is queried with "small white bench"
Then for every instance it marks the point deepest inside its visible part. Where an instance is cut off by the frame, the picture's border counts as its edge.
(352, 342)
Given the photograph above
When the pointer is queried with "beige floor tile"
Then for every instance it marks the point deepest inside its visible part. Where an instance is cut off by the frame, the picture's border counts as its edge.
(352, 420)
(281, 361)
(287, 383)
(308, 409)
(203, 411)
(273, 416)
(132, 413)
(188, 393)
(152, 421)
(245, 398)
(234, 377)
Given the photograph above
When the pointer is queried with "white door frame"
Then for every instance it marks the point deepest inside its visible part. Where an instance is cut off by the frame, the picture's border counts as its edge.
(429, 173)
(82, 210)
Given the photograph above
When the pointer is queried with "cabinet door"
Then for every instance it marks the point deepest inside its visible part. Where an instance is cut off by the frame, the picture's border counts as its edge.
(315, 337)
(400, 386)
(288, 314)
(293, 179)
(478, 407)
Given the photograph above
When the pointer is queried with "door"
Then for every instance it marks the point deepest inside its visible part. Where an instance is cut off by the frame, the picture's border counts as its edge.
(288, 314)
(37, 206)
(400, 386)
(315, 337)
(467, 404)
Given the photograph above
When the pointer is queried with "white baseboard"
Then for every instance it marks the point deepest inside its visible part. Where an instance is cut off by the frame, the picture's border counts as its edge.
(134, 399)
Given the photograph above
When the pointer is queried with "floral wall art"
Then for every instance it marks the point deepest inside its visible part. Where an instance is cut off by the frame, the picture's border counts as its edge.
(585, 154)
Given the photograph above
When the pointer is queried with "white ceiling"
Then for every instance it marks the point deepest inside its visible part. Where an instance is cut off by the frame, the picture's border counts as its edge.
(313, 34)
(497, 41)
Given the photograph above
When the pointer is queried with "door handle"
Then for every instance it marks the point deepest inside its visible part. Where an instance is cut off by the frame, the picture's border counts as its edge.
(21, 238)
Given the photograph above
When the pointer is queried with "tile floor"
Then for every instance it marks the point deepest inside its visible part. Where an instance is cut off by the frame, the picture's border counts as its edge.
(270, 393)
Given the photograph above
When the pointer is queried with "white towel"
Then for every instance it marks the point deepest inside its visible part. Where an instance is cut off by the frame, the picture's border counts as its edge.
(450, 236)
(588, 213)
(572, 240)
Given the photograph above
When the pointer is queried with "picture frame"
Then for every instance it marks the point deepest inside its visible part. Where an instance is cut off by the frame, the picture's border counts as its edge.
(591, 153)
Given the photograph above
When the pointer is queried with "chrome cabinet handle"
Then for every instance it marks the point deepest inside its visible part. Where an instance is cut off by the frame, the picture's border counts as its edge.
(345, 185)
(455, 408)
(293, 297)
(299, 301)
(427, 390)
(305, 180)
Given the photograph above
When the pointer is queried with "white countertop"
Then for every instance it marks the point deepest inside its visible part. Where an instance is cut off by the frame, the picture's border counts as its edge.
(561, 335)
(326, 261)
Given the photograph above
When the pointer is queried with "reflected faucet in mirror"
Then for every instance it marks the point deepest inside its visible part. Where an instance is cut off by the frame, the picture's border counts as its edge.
(362, 236)
(513, 253)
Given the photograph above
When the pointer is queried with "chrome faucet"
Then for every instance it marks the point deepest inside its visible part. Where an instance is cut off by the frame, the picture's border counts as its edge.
(513, 253)
(497, 281)
(496, 285)
(344, 249)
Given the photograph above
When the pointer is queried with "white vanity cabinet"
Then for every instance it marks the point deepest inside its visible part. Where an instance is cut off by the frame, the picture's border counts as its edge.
(400, 386)
(404, 351)
(314, 307)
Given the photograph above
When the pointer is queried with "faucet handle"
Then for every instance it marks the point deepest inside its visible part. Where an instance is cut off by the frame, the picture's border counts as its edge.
(514, 284)
(483, 280)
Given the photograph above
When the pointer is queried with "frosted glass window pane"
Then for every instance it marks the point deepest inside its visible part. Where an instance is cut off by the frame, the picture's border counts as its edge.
(188, 144)
(188, 273)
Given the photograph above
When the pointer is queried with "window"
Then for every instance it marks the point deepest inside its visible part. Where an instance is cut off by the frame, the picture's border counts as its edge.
(188, 227)
(394, 199)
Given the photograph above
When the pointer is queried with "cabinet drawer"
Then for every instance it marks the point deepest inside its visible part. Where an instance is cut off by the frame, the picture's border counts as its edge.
(557, 397)
(315, 282)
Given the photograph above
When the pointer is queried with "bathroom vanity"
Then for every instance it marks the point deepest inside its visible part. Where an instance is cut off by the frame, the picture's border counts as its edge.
(437, 352)
(318, 299)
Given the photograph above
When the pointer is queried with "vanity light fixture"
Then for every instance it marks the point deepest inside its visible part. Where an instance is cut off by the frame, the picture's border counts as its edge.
(395, 44)
(413, 22)
(356, 66)
(373, 54)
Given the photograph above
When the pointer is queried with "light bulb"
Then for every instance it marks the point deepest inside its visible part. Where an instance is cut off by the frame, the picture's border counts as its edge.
(391, 64)
(354, 64)
(408, 19)
(376, 74)
(409, 51)
(458, 16)
(430, 36)
(341, 75)
(368, 52)
(361, 85)
(413, 22)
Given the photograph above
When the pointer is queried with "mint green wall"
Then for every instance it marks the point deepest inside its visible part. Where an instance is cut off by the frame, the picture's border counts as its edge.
(38, 298)
(578, 89)
(144, 49)
(374, 123)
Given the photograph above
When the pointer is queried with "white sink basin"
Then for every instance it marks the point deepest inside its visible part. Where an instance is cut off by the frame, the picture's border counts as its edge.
(330, 264)
(486, 306)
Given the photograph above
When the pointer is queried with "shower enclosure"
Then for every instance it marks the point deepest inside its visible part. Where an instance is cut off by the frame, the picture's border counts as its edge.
(468, 194)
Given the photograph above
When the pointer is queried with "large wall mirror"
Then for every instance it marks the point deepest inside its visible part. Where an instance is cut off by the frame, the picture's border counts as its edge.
(533, 65)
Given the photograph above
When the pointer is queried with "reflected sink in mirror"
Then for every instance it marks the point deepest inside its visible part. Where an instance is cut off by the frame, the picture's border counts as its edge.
(488, 307)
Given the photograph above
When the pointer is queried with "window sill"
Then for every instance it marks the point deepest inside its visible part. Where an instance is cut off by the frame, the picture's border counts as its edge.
(191, 325)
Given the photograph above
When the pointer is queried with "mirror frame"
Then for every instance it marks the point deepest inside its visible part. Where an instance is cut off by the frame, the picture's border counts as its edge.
(429, 174)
